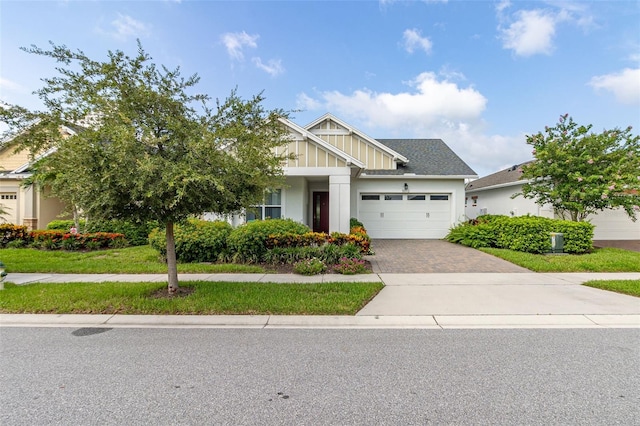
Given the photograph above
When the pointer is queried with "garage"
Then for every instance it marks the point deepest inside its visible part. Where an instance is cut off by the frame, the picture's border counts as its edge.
(9, 202)
(411, 216)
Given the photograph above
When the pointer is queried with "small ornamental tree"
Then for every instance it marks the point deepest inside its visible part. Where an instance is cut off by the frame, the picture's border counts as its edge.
(149, 150)
(580, 172)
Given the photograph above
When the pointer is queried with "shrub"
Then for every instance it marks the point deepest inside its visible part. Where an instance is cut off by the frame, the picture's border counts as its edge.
(10, 232)
(312, 266)
(135, 233)
(248, 242)
(55, 240)
(62, 225)
(350, 266)
(523, 233)
(16, 244)
(353, 222)
(476, 236)
(290, 239)
(578, 236)
(196, 240)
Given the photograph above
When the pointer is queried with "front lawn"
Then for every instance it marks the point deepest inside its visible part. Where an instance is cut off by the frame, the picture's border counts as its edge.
(600, 260)
(202, 298)
(130, 260)
(630, 287)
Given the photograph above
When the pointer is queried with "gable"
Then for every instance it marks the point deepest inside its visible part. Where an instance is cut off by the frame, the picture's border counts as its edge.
(10, 160)
(373, 154)
(312, 151)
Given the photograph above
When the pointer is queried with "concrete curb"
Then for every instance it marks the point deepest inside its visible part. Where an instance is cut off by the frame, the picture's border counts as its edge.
(441, 322)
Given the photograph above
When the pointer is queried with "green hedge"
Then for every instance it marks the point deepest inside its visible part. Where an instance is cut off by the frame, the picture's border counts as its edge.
(523, 233)
(136, 233)
(247, 243)
(196, 240)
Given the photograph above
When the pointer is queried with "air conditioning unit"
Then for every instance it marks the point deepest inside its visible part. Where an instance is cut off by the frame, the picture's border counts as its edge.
(557, 242)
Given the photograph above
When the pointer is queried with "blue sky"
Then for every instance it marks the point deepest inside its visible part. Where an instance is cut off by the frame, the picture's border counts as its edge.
(478, 74)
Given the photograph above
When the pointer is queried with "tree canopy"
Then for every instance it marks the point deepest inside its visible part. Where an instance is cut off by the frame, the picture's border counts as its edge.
(145, 148)
(580, 172)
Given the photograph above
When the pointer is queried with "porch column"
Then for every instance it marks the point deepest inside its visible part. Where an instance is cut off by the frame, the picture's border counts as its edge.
(339, 203)
(30, 212)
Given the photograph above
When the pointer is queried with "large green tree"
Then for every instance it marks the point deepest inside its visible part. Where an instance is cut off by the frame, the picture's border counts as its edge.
(580, 172)
(149, 150)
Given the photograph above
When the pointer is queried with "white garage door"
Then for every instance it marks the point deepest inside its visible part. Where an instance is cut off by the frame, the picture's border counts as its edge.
(405, 215)
(9, 202)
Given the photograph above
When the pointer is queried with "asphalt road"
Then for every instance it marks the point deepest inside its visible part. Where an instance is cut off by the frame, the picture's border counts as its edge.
(66, 376)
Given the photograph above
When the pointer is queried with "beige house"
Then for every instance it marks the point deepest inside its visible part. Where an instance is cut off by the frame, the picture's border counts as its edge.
(24, 206)
(398, 188)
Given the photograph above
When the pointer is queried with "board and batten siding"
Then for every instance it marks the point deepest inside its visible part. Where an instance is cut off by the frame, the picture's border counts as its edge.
(373, 157)
(309, 154)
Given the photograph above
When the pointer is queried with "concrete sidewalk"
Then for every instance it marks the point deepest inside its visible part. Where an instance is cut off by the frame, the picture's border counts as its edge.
(446, 300)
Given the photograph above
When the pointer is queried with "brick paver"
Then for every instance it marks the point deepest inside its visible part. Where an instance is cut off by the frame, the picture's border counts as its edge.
(429, 256)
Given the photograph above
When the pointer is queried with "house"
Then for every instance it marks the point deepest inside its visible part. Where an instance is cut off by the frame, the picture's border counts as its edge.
(398, 188)
(492, 194)
(29, 205)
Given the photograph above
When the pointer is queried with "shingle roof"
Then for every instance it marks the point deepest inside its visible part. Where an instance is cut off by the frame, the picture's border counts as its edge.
(509, 175)
(430, 157)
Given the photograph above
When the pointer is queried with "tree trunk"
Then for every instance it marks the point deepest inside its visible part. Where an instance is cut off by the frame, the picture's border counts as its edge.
(171, 260)
(76, 219)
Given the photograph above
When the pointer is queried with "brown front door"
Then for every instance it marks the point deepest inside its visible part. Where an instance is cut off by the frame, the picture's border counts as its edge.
(321, 212)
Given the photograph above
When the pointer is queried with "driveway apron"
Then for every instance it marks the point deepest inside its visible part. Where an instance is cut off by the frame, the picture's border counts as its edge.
(433, 256)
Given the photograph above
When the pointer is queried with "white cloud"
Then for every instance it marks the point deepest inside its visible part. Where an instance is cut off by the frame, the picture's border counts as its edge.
(126, 27)
(434, 108)
(11, 86)
(530, 34)
(625, 85)
(431, 101)
(412, 40)
(236, 42)
(273, 67)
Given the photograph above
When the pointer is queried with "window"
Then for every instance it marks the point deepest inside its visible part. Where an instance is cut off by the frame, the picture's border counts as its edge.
(271, 209)
(439, 197)
(393, 197)
(367, 197)
(10, 196)
(416, 197)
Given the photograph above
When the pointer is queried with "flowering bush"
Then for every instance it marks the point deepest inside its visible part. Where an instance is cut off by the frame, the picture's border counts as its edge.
(349, 266)
(10, 232)
(55, 240)
(312, 266)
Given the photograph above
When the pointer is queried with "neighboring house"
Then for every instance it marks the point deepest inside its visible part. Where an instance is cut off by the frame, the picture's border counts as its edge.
(398, 188)
(492, 194)
(24, 206)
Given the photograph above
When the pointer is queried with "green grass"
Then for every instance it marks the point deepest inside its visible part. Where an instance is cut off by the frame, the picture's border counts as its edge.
(208, 298)
(600, 260)
(630, 287)
(131, 260)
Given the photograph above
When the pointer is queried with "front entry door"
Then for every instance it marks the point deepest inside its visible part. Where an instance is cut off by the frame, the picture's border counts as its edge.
(321, 212)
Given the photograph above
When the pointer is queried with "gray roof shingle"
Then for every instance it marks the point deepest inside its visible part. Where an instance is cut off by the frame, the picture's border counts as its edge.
(509, 175)
(430, 157)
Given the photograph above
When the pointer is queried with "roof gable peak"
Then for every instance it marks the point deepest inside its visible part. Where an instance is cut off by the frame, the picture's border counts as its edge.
(352, 130)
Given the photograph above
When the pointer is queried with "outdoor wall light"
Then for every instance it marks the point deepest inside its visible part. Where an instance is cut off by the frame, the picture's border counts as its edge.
(406, 186)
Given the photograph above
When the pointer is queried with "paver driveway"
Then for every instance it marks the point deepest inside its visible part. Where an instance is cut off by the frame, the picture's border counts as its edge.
(426, 256)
